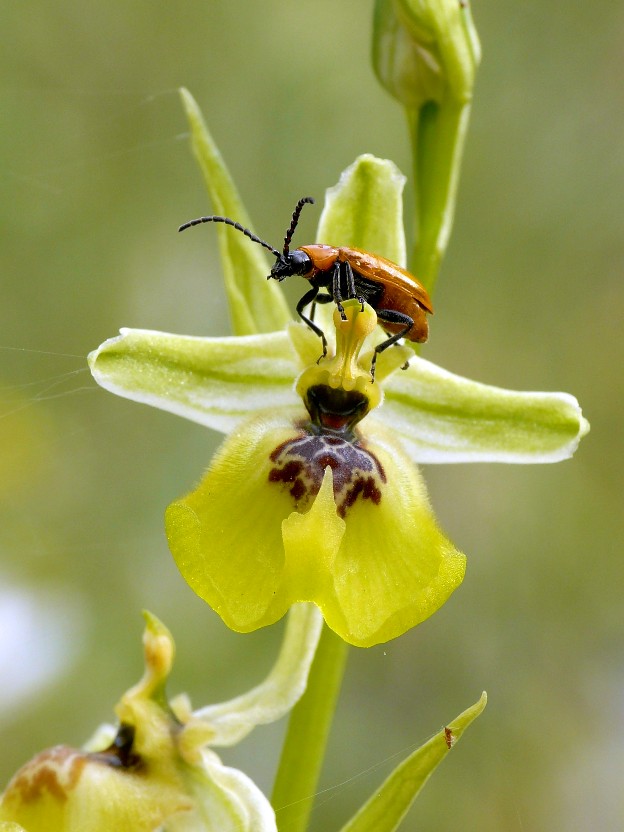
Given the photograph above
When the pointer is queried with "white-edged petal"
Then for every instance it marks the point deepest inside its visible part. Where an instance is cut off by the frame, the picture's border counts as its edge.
(442, 417)
(214, 381)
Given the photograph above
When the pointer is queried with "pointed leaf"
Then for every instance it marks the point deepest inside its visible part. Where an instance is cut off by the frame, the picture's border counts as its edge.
(441, 417)
(214, 381)
(256, 305)
(385, 810)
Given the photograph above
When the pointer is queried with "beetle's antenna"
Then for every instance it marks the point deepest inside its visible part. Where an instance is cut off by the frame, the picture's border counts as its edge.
(235, 225)
(294, 221)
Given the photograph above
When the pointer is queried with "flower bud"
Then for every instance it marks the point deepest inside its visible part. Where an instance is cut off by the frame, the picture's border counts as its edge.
(425, 49)
(426, 54)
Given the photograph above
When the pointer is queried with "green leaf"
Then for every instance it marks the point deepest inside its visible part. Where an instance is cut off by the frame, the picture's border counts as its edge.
(256, 305)
(214, 381)
(442, 417)
(387, 807)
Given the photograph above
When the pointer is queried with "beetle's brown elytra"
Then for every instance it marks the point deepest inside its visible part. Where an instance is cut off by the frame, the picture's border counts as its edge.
(399, 299)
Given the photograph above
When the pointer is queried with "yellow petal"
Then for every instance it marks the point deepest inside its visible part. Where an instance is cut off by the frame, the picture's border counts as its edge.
(395, 567)
(287, 513)
(226, 535)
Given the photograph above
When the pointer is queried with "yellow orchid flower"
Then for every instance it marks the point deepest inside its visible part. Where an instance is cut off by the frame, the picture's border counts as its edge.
(292, 509)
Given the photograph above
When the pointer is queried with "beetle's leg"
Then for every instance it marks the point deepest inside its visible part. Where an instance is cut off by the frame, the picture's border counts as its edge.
(336, 289)
(350, 279)
(319, 299)
(391, 317)
(311, 297)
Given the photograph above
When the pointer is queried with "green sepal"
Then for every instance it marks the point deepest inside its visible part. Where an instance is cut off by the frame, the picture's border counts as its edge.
(439, 416)
(213, 381)
(256, 305)
(269, 701)
(442, 417)
(387, 807)
(365, 209)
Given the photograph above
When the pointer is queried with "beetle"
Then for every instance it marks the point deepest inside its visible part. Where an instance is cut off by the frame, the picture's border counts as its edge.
(399, 299)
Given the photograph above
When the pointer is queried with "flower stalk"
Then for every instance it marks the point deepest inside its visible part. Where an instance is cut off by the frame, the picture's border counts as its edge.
(306, 739)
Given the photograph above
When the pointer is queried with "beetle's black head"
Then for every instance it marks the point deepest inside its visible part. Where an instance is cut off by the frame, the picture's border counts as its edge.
(286, 265)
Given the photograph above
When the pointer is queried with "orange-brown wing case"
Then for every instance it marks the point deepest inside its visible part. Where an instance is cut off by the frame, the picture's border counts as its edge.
(387, 273)
(400, 291)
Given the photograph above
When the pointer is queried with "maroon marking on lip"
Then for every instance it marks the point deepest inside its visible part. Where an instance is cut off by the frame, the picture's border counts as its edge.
(300, 463)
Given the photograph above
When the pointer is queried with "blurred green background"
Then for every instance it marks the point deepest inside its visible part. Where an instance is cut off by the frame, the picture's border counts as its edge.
(96, 176)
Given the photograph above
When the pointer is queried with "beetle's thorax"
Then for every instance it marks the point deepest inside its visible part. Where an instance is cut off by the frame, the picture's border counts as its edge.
(323, 257)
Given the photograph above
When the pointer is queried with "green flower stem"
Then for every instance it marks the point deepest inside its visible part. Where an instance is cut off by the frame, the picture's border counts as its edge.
(438, 133)
(307, 735)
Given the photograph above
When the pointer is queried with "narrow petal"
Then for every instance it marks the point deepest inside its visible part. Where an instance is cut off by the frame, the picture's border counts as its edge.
(282, 688)
(214, 381)
(387, 807)
(442, 417)
(256, 305)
